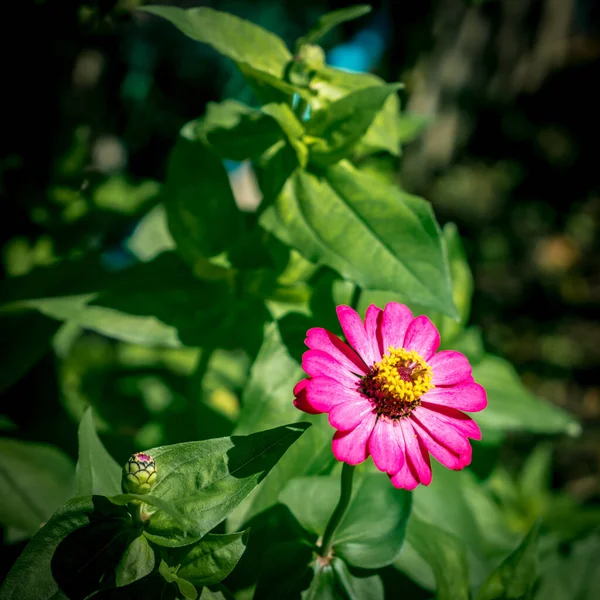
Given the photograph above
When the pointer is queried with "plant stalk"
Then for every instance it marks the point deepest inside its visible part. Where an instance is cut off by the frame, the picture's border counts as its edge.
(340, 510)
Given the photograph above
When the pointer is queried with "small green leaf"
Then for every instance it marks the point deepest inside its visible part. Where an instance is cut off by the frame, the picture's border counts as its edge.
(515, 577)
(25, 339)
(372, 532)
(238, 39)
(97, 471)
(35, 480)
(365, 587)
(332, 84)
(136, 562)
(186, 589)
(330, 20)
(237, 131)
(446, 556)
(88, 556)
(211, 559)
(291, 127)
(206, 480)
(389, 228)
(340, 125)
(31, 577)
(511, 407)
(201, 210)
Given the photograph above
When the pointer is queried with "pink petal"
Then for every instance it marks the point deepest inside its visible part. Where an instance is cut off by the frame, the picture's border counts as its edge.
(449, 368)
(317, 362)
(405, 478)
(384, 447)
(323, 393)
(416, 453)
(442, 454)
(348, 415)
(422, 337)
(300, 399)
(396, 319)
(454, 418)
(464, 396)
(318, 338)
(355, 333)
(444, 433)
(351, 446)
(373, 320)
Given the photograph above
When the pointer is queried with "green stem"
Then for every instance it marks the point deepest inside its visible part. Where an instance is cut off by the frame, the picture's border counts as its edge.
(340, 509)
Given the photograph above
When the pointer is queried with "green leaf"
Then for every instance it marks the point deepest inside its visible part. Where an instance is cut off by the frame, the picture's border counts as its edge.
(267, 401)
(86, 557)
(325, 585)
(97, 470)
(372, 532)
(511, 407)
(211, 559)
(445, 554)
(206, 480)
(365, 587)
(237, 131)
(291, 127)
(239, 40)
(25, 339)
(201, 210)
(389, 228)
(35, 480)
(332, 84)
(186, 589)
(153, 587)
(515, 577)
(136, 562)
(330, 20)
(340, 125)
(410, 126)
(31, 577)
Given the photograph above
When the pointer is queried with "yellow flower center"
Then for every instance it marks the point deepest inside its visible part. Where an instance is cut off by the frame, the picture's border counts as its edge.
(396, 383)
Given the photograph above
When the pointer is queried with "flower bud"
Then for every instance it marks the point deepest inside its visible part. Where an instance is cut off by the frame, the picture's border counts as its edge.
(139, 474)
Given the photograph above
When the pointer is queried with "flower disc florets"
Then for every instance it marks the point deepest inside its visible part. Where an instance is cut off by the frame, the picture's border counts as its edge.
(396, 383)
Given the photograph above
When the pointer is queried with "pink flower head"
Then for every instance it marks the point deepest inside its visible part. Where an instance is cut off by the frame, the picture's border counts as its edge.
(390, 394)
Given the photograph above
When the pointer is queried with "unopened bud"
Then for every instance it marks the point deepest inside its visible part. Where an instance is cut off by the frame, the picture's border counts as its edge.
(139, 474)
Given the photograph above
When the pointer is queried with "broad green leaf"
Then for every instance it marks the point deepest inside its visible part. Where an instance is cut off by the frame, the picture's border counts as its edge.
(285, 572)
(238, 39)
(511, 407)
(396, 242)
(364, 587)
(137, 561)
(201, 210)
(267, 401)
(237, 131)
(332, 84)
(211, 559)
(445, 554)
(330, 20)
(35, 480)
(370, 535)
(30, 577)
(337, 127)
(515, 577)
(206, 480)
(444, 504)
(186, 589)
(25, 339)
(97, 470)
(86, 557)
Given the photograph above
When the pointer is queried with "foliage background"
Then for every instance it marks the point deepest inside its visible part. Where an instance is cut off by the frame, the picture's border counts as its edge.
(95, 97)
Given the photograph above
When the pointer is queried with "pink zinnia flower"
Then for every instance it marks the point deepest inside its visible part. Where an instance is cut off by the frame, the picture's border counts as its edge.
(390, 394)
